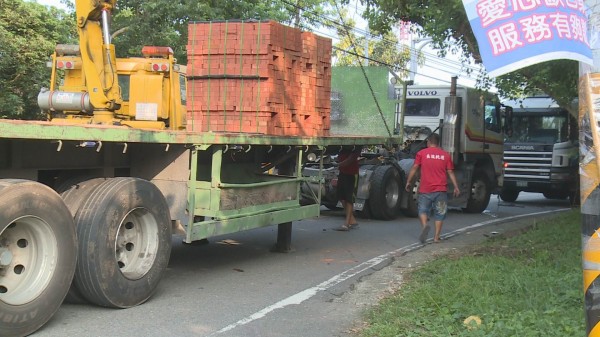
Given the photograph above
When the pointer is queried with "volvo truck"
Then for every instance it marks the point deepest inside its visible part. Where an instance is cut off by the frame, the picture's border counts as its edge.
(470, 122)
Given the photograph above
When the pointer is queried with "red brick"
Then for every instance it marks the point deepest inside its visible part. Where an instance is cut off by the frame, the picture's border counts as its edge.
(289, 97)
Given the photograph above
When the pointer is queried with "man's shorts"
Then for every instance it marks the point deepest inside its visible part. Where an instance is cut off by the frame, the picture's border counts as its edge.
(346, 187)
(436, 202)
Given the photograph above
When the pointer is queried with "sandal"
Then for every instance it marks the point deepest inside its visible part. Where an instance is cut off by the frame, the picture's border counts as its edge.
(353, 225)
(343, 228)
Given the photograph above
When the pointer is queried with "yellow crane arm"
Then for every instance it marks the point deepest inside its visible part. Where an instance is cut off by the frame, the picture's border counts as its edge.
(98, 54)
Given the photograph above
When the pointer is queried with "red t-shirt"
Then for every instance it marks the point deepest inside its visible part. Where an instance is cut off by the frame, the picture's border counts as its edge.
(434, 163)
(352, 167)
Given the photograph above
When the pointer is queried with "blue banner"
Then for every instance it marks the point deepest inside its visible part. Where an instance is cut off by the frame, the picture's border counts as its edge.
(513, 34)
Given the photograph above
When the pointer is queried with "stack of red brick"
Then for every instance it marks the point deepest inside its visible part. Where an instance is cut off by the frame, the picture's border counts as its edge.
(258, 77)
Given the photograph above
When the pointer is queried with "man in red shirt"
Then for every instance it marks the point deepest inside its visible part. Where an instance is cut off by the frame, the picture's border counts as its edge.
(347, 185)
(434, 162)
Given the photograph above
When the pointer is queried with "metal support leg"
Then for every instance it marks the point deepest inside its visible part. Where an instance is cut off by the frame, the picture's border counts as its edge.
(284, 238)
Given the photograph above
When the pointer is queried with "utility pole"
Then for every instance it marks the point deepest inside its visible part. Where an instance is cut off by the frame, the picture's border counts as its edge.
(414, 55)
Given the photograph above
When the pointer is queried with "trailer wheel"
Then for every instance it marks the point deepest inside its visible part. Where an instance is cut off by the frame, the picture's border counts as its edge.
(479, 194)
(412, 207)
(74, 192)
(38, 251)
(125, 225)
(384, 195)
(509, 195)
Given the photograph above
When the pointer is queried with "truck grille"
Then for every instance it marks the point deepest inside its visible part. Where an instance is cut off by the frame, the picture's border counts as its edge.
(530, 165)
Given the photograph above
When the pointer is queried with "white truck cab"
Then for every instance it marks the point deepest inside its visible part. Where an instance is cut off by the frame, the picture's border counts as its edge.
(470, 124)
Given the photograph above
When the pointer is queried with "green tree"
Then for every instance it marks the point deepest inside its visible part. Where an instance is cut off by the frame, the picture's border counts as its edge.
(28, 34)
(305, 14)
(446, 23)
(383, 49)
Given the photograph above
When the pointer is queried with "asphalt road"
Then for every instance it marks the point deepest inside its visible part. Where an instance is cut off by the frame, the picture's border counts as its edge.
(234, 286)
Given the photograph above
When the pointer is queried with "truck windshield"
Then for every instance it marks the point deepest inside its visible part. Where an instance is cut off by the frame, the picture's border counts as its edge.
(538, 129)
(423, 107)
(491, 117)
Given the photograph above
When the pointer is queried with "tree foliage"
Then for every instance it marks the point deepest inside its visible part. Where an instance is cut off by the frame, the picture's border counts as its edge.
(446, 23)
(373, 49)
(28, 34)
(382, 51)
(165, 22)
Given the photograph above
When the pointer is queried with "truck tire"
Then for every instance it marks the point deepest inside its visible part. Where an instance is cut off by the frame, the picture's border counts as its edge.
(74, 192)
(575, 195)
(38, 250)
(509, 195)
(412, 207)
(384, 195)
(479, 194)
(330, 206)
(125, 225)
(366, 212)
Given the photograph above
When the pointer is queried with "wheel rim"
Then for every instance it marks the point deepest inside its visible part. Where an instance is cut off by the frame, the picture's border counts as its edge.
(136, 244)
(415, 191)
(478, 190)
(28, 259)
(392, 195)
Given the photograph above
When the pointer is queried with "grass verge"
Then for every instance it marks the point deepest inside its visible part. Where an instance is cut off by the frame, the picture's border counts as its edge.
(523, 285)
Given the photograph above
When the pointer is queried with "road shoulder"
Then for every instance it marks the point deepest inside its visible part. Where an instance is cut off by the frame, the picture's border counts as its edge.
(372, 288)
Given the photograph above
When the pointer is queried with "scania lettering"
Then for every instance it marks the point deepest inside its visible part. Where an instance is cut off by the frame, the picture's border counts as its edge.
(521, 147)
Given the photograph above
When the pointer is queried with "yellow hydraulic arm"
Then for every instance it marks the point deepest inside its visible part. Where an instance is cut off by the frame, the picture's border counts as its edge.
(98, 56)
(90, 90)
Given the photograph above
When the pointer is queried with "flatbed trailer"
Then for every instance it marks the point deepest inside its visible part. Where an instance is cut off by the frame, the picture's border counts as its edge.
(136, 149)
(101, 203)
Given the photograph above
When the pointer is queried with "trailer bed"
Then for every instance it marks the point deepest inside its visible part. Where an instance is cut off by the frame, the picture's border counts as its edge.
(39, 130)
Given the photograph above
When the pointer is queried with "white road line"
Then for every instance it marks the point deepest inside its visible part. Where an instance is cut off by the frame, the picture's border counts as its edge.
(339, 278)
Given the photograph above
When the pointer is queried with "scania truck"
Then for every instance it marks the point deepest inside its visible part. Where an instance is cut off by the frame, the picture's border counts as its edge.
(541, 152)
